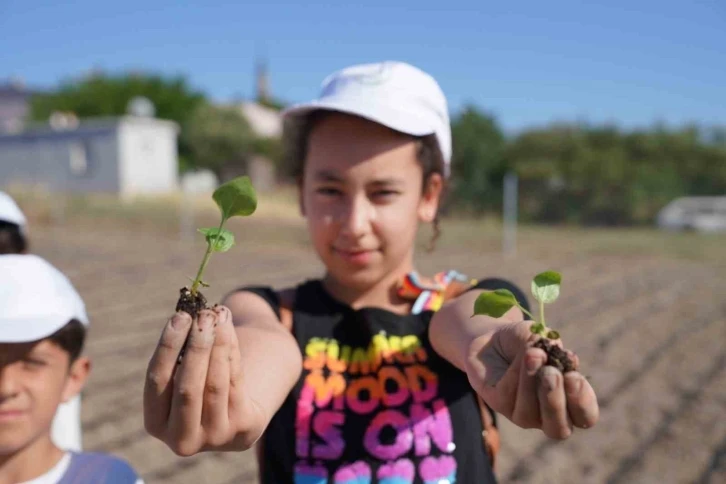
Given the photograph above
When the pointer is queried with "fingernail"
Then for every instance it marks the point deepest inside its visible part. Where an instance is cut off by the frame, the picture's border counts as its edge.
(549, 378)
(179, 320)
(206, 320)
(574, 386)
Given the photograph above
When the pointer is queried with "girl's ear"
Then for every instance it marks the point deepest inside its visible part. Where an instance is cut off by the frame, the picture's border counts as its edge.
(77, 376)
(431, 197)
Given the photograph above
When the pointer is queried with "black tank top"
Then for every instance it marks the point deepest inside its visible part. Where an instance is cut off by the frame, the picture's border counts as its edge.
(375, 403)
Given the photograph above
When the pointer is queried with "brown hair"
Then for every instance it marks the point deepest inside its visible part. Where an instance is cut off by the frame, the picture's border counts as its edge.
(12, 240)
(297, 133)
(70, 338)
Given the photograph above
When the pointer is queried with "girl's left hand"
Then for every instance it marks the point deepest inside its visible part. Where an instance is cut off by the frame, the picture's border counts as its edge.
(510, 375)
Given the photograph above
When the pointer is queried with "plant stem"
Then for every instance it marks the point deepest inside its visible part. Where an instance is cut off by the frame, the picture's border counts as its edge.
(541, 314)
(207, 255)
(526, 312)
(198, 279)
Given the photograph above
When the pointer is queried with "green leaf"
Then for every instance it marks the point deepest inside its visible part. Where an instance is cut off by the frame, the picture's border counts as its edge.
(220, 240)
(537, 328)
(495, 303)
(546, 286)
(237, 197)
(552, 334)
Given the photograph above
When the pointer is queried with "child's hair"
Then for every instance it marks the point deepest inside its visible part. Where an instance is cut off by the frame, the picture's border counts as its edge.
(12, 240)
(297, 134)
(70, 338)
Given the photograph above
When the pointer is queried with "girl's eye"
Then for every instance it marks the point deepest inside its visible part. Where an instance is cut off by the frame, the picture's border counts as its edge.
(384, 193)
(34, 363)
(328, 191)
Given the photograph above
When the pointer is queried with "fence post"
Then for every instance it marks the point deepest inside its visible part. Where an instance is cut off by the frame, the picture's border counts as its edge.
(509, 219)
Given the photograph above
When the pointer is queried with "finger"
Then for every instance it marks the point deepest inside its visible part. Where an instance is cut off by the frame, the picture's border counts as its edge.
(503, 395)
(502, 358)
(574, 358)
(582, 403)
(158, 386)
(552, 404)
(526, 408)
(186, 404)
(235, 369)
(215, 409)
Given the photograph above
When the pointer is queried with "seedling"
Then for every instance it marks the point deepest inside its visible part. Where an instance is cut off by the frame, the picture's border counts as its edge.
(235, 198)
(546, 290)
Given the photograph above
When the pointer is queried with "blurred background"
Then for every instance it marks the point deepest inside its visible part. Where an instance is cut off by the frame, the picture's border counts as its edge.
(589, 139)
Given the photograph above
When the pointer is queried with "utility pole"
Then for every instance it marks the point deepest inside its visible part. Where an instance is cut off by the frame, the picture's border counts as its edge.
(509, 219)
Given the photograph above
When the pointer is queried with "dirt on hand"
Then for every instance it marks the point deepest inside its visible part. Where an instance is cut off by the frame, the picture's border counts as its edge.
(556, 356)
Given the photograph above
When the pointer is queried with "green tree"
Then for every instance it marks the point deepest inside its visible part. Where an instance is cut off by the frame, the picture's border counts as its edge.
(219, 136)
(108, 95)
(478, 164)
(271, 148)
(604, 176)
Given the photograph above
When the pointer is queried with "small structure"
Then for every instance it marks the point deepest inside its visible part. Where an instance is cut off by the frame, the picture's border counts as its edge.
(14, 105)
(199, 182)
(702, 214)
(128, 155)
(264, 121)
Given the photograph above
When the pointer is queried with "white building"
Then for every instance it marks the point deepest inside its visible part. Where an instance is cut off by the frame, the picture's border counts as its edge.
(265, 122)
(127, 156)
(14, 106)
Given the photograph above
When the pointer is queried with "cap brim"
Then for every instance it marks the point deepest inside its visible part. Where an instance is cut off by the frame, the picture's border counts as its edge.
(28, 330)
(378, 112)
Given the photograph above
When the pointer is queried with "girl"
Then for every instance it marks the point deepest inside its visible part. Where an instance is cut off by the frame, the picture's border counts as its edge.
(363, 375)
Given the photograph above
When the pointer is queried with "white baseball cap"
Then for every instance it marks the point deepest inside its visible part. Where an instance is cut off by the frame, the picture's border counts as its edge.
(10, 212)
(36, 299)
(394, 94)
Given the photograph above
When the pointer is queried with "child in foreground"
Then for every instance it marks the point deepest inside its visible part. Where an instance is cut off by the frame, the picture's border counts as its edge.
(43, 324)
(372, 373)
(66, 430)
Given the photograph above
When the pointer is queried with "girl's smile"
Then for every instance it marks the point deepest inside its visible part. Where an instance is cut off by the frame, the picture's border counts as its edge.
(357, 257)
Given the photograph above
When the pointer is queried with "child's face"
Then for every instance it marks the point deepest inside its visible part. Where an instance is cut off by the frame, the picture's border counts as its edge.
(362, 197)
(34, 379)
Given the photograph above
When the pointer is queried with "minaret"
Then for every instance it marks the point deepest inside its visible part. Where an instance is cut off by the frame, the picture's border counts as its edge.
(262, 86)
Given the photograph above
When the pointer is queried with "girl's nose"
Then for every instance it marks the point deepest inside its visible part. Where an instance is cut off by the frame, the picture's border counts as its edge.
(356, 217)
(8, 382)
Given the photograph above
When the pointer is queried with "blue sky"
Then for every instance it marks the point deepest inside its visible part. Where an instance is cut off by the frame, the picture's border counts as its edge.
(628, 62)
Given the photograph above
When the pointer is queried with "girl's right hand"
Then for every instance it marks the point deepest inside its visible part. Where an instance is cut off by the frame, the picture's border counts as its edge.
(199, 404)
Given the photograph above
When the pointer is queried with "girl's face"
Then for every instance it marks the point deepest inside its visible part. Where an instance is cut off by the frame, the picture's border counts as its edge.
(363, 198)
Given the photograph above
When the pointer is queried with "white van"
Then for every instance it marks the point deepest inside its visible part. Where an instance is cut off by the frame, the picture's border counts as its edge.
(703, 214)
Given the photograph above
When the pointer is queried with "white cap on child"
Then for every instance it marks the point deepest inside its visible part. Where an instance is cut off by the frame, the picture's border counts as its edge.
(10, 212)
(36, 299)
(394, 94)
